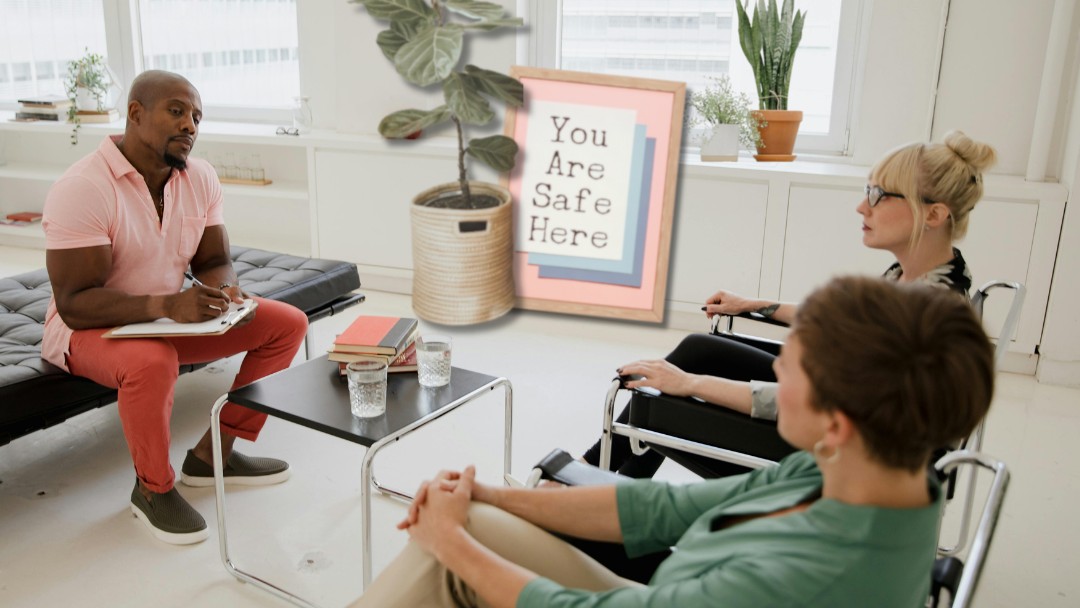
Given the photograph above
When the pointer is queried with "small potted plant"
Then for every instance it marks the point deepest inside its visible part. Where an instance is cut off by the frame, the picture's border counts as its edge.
(91, 87)
(728, 119)
(769, 43)
(462, 236)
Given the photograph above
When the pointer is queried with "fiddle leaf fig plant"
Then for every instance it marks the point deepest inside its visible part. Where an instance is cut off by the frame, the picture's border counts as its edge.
(425, 41)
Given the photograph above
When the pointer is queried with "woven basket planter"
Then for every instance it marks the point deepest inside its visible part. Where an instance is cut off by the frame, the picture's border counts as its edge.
(462, 264)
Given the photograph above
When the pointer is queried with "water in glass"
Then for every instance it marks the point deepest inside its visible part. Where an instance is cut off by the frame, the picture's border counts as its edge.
(433, 360)
(367, 388)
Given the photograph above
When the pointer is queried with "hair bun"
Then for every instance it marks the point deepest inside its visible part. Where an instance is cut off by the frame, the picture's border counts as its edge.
(977, 155)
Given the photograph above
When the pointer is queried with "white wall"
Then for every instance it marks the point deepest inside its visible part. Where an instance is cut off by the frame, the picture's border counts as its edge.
(915, 81)
(1059, 362)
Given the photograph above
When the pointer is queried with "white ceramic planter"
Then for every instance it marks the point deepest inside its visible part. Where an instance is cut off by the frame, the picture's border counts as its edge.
(85, 100)
(722, 145)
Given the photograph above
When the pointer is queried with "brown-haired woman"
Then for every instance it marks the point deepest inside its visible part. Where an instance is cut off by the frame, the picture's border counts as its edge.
(918, 202)
(851, 520)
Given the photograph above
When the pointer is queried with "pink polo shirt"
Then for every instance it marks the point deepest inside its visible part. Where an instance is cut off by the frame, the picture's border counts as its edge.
(103, 200)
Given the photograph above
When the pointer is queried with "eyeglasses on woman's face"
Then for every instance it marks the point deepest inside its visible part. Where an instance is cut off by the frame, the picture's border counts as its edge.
(874, 194)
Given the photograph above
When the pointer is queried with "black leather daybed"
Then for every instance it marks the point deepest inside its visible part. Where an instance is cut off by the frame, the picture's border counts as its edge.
(35, 395)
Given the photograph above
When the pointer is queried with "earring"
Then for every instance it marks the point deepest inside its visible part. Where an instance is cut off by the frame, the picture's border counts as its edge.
(926, 227)
(819, 447)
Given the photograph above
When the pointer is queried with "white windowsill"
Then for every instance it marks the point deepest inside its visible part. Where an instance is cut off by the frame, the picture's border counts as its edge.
(811, 167)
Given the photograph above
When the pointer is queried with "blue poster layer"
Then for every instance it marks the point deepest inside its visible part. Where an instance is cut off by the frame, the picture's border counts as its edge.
(633, 278)
(625, 264)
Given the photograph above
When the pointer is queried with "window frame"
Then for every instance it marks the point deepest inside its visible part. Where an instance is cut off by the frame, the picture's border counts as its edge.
(540, 46)
(123, 42)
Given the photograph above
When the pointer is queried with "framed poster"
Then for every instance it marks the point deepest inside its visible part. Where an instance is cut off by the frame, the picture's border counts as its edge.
(594, 192)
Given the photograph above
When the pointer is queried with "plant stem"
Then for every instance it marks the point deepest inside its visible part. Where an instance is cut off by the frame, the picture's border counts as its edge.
(463, 178)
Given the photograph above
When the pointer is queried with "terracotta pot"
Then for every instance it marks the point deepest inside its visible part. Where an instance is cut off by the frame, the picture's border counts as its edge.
(778, 134)
(462, 258)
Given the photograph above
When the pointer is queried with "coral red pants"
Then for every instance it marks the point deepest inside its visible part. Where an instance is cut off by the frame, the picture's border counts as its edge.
(144, 370)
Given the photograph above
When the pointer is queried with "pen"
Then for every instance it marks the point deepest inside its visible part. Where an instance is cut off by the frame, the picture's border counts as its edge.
(195, 281)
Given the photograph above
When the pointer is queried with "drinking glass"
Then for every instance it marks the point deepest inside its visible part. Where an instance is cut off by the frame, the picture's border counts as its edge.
(367, 388)
(433, 360)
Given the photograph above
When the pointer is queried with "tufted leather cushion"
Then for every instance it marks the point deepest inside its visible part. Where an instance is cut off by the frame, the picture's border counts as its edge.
(306, 283)
(35, 394)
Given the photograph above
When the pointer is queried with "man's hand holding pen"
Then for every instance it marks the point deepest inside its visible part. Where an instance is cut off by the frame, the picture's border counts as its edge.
(218, 301)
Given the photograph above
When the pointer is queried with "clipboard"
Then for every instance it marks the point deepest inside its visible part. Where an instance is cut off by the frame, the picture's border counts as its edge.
(166, 328)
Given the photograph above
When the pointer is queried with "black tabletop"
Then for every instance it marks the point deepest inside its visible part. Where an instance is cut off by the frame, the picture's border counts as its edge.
(315, 395)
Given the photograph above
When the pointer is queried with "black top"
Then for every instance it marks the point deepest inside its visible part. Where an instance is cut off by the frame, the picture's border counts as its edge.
(953, 274)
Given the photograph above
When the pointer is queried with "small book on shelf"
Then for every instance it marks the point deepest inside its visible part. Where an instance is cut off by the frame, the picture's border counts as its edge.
(46, 101)
(95, 116)
(370, 335)
(24, 216)
(23, 115)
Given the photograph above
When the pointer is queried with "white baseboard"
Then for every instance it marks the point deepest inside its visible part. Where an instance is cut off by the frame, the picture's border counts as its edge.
(1062, 373)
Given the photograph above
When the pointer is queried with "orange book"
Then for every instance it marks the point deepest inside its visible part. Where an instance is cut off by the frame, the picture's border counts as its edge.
(370, 335)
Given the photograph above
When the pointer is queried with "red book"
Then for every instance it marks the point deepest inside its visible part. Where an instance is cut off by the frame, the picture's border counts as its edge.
(376, 336)
(24, 216)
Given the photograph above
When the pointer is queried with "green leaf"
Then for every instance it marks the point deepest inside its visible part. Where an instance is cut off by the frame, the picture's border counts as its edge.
(495, 24)
(474, 9)
(406, 122)
(431, 56)
(399, 10)
(390, 41)
(497, 85)
(746, 40)
(464, 100)
(497, 151)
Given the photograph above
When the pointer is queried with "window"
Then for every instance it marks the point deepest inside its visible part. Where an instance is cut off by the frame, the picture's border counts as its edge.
(690, 40)
(39, 37)
(242, 55)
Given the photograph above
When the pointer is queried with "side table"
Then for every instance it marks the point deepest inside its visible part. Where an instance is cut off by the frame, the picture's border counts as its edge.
(314, 396)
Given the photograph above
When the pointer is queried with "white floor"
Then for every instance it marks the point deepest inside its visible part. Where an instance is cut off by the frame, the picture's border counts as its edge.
(68, 537)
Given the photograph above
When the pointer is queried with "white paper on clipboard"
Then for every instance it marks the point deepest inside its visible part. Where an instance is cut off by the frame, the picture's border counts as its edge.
(168, 327)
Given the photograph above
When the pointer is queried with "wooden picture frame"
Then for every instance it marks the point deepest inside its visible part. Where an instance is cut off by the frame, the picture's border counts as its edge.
(594, 192)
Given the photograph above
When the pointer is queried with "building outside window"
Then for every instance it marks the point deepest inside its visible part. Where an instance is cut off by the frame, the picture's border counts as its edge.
(240, 54)
(691, 40)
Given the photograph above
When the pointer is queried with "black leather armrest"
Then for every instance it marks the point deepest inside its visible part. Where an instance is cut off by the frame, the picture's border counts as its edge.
(563, 468)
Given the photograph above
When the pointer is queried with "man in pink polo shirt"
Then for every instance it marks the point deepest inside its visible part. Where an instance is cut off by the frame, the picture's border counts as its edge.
(122, 226)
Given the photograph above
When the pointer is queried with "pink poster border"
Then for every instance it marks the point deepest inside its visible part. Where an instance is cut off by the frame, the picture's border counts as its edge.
(659, 106)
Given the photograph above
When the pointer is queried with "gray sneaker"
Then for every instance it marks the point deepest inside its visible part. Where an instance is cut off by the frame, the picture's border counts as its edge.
(169, 517)
(240, 470)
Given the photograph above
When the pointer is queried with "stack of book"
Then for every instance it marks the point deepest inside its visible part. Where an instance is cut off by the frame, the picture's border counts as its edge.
(389, 339)
(46, 107)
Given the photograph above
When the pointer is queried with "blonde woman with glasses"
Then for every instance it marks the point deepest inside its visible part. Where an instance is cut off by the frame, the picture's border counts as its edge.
(917, 203)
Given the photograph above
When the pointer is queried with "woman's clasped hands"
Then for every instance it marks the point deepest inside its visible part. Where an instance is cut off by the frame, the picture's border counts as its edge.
(441, 507)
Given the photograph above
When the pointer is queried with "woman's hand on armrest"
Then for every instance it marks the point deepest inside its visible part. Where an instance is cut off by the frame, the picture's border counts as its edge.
(670, 380)
(728, 303)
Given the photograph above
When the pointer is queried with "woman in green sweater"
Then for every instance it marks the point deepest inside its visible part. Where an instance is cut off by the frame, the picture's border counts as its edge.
(850, 520)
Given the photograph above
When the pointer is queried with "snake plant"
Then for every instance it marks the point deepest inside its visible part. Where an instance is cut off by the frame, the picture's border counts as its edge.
(769, 43)
(425, 42)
